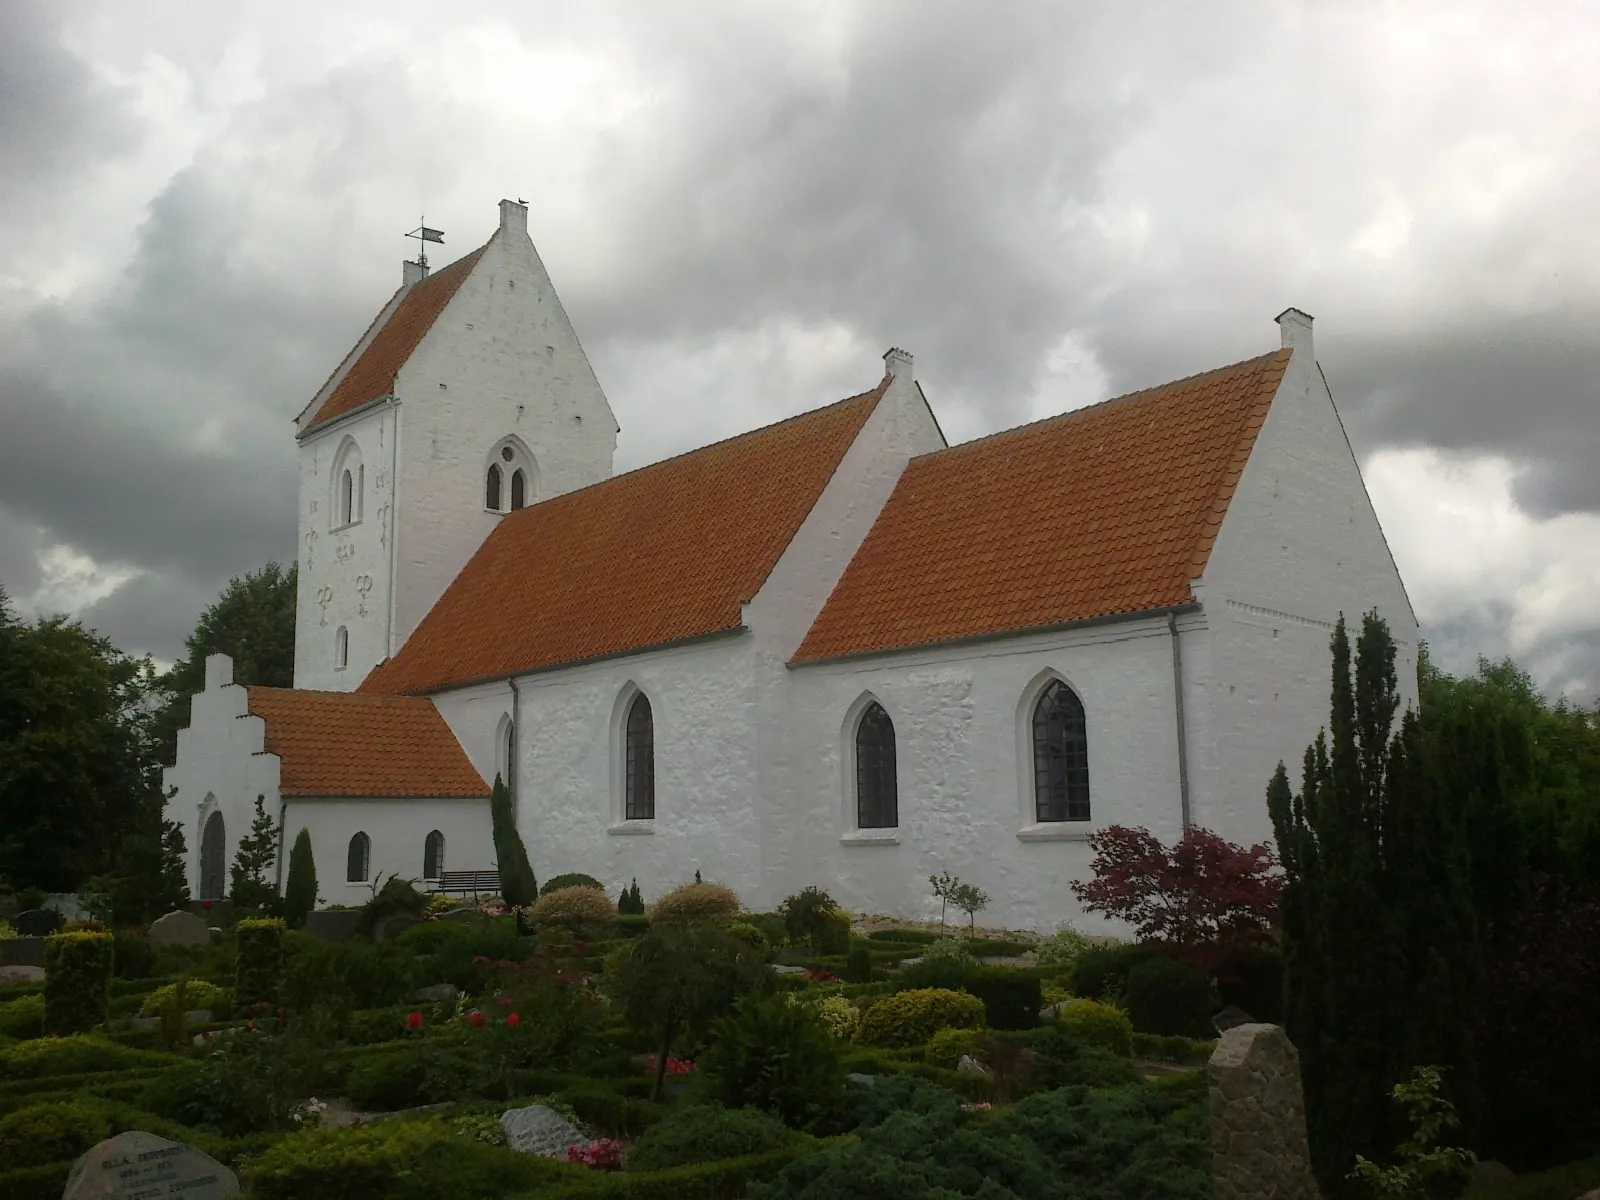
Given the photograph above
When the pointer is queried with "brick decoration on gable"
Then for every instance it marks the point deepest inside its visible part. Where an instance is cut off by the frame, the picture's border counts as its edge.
(1108, 510)
(348, 744)
(372, 375)
(660, 555)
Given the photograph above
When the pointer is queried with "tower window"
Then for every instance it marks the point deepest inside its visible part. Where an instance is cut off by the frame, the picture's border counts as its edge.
(348, 480)
(341, 648)
(511, 477)
(519, 489)
(491, 491)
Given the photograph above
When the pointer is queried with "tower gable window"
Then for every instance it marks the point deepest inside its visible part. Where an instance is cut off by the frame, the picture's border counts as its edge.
(519, 490)
(639, 761)
(510, 477)
(877, 790)
(349, 482)
(1060, 756)
(491, 487)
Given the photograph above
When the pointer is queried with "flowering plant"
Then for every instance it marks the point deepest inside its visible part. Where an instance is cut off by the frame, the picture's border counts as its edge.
(308, 1114)
(819, 975)
(603, 1154)
(675, 1066)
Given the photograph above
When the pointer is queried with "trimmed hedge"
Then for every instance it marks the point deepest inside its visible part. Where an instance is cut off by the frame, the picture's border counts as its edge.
(1182, 1050)
(571, 879)
(35, 1183)
(1169, 998)
(23, 1017)
(1011, 997)
(1099, 1025)
(258, 970)
(81, 1054)
(911, 1018)
(831, 932)
(77, 985)
(910, 937)
(1102, 971)
(701, 1133)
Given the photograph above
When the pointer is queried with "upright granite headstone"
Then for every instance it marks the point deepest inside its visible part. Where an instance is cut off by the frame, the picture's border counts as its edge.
(37, 922)
(180, 928)
(1258, 1118)
(135, 1165)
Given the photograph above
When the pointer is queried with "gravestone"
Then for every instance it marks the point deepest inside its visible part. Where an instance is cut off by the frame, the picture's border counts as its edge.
(437, 993)
(14, 975)
(1231, 1017)
(180, 928)
(1258, 1118)
(37, 922)
(138, 1164)
(540, 1130)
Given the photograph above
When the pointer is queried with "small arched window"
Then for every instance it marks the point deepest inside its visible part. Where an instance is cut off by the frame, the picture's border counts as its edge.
(359, 861)
(347, 497)
(348, 479)
(639, 794)
(341, 648)
(433, 855)
(213, 858)
(519, 490)
(491, 488)
(1060, 756)
(877, 795)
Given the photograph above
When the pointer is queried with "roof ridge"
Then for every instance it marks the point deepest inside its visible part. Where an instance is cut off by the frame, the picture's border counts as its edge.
(872, 393)
(1100, 405)
(264, 687)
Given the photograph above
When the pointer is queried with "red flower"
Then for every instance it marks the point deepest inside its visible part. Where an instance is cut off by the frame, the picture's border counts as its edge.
(475, 1019)
(514, 1020)
(414, 1021)
(206, 904)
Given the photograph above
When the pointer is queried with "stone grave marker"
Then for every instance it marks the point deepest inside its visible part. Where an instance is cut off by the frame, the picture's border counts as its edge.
(139, 1164)
(1258, 1118)
(1231, 1017)
(180, 928)
(37, 922)
(540, 1130)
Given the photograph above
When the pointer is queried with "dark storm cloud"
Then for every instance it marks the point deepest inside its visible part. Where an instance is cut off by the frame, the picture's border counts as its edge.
(55, 118)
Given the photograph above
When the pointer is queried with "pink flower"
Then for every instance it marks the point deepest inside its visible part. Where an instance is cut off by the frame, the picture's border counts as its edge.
(514, 1020)
(475, 1019)
(481, 961)
(604, 1154)
(414, 1021)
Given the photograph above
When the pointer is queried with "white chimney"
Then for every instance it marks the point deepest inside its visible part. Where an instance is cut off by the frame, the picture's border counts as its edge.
(412, 272)
(1296, 327)
(513, 217)
(897, 362)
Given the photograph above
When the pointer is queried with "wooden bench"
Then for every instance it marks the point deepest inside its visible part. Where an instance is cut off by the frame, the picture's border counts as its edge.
(469, 881)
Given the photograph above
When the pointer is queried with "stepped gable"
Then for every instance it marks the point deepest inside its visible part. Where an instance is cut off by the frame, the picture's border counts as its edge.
(1104, 511)
(660, 555)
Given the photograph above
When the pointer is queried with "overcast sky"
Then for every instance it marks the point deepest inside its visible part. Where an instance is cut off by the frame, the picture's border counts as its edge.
(742, 205)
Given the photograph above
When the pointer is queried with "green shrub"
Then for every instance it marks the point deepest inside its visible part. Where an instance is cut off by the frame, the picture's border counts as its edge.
(50, 1133)
(23, 1017)
(1168, 997)
(771, 926)
(1186, 1051)
(1099, 1025)
(300, 889)
(577, 908)
(1101, 972)
(80, 1054)
(841, 1016)
(910, 1018)
(631, 903)
(946, 963)
(997, 947)
(831, 934)
(633, 925)
(946, 1048)
(394, 1160)
(425, 1072)
(858, 964)
(572, 879)
(1253, 981)
(1059, 953)
(132, 955)
(697, 1181)
(803, 915)
(197, 994)
(258, 970)
(77, 981)
(910, 937)
(777, 1056)
(752, 936)
(694, 903)
(397, 897)
(607, 1111)
(700, 1133)
(1010, 996)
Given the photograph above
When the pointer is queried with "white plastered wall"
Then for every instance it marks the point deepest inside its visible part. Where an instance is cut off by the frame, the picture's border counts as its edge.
(397, 830)
(501, 361)
(1300, 544)
(962, 718)
(221, 766)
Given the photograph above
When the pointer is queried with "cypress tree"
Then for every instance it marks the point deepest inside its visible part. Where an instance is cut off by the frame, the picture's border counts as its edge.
(300, 889)
(518, 888)
(1378, 939)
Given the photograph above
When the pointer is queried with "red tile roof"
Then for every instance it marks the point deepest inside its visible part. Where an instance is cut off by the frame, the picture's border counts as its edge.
(372, 375)
(1108, 510)
(348, 744)
(659, 555)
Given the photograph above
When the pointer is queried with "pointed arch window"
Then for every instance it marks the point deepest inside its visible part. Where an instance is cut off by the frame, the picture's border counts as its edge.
(347, 496)
(359, 861)
(519, 490)
(1060, 756)
(213, 858)
(877, 789)
(433, 856)
(349, 481)
(491, 488)
(639, 756)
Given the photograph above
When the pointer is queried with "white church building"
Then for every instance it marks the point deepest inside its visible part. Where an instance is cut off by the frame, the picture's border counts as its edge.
(831, 651)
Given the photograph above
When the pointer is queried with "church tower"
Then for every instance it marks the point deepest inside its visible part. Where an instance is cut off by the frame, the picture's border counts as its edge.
(469, 397)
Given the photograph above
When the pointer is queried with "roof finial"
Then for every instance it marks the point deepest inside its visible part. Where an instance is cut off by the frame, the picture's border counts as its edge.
(424, 235)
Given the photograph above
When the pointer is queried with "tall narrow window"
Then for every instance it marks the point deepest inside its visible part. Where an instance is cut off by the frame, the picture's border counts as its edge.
(347, 498)
(1060, 756)
(433, 855)
(491, 488)
(360, 859)
(640, 755)
(341, 648)
(213, 858)
(519, 490)
(877, 796)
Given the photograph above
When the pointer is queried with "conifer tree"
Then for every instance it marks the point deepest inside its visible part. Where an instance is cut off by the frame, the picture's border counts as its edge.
(517, 884)
(251, 891)
(300, 889)
(1378, 926)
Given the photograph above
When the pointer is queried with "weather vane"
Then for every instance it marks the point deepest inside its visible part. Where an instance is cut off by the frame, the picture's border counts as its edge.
(424, 235)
